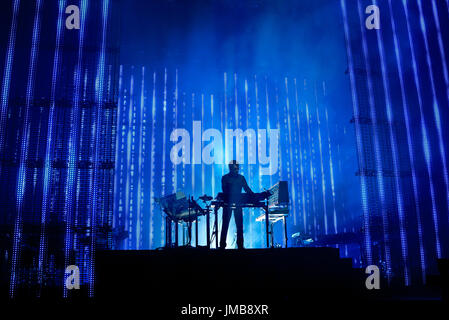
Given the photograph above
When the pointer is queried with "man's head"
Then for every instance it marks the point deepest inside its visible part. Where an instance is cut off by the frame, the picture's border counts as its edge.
(234, 167)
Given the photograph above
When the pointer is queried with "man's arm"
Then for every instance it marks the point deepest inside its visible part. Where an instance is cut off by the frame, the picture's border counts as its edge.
(246, 187)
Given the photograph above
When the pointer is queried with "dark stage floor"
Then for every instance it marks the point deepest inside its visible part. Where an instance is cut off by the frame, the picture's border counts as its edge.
(280, 278)
(288, 282)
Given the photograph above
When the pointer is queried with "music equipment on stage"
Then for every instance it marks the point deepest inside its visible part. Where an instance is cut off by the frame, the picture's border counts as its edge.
(278, 194)
(181, 209)
(247, 200)
(302, 240)
(278, 210)
(205, 198)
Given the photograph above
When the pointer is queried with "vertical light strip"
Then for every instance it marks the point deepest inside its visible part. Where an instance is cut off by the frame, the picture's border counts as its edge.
(236, 119)
(192, 165)
(395, 154)
(377, 151)
(312, 183)
(298, 121)
(409, 142)
(215, 152)
(331, 170)
(267, 102)
(21, 177)
(153, 159)
(129, 146)
(73, 145)
(99, 83)
(323, 180)
(441, 47)
(436, 107)
(164, 141)
(7, 75)
(292, 180)
(140, 168)
(425, 142)
(203, 173)
(131, 169)
(247, 125)
(175, 115)
(366, 224)
(224, 121)
(164, 134)
(259, 142)
(236, 106)
(213, 165)
(248, 166)
(118, 154)
(49, 144)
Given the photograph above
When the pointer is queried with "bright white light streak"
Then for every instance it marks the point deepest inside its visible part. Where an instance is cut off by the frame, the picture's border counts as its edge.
(360, 154)
(395, 156)
(292, 180)
(405, 108)
(153, 159)
(140, 169)
(6, 83)
(49, 144)
(377, 152)
(21, 177)
(256, 92)
(441, 47)
(99, 97)
(118, 153)
(323, 179)
(312, 184)
(73, 145)
(298, 121)
(425, 142)
(331, 170)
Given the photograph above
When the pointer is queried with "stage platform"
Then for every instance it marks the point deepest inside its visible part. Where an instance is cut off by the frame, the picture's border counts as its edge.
(195, 273)
(292, 282)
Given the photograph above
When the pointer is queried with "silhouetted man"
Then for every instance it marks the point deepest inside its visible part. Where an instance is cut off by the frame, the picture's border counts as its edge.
(232, 184)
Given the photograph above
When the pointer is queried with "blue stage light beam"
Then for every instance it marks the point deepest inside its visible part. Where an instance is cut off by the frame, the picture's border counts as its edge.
(405, 108)
(436, 106)
(267, 106)
(256, 92)
(141, 164)
(164, 133)
(153, 157)
(21, 177)
(6, 83)
(312, 184)
(441, 47)
(323, 179)
(49, 144)
(129, 170)
(298, 128)
(395, 154)
(99, 96)
(292, 180)
(425, 142)
(331, 171)
(366, 219)
(175, 120)
(119, 152)
(377, 151)
(251, 211)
